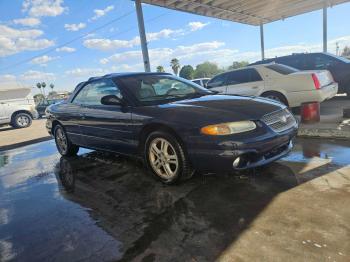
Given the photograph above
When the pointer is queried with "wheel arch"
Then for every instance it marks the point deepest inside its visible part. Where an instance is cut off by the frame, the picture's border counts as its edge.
(22, 111)
(54, 124)
(151, 127)
(282, 94)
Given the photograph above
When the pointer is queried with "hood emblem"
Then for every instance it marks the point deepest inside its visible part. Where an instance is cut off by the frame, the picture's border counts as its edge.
(283, 119)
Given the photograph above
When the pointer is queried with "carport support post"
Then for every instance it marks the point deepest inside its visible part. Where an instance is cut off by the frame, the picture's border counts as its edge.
(262, 41)
(142, 36)
(325, 29)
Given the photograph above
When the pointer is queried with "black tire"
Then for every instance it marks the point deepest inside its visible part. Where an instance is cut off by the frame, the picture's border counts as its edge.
(64, 146)
(21, 120)
(276, 96)
(182, 172)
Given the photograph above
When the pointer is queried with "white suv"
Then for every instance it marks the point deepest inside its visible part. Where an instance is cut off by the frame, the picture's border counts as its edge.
(17, 107)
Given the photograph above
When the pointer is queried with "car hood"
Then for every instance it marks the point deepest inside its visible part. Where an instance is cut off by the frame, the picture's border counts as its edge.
(214, 109)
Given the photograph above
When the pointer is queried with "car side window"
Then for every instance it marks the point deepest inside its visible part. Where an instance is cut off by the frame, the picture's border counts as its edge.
(92, 93)
(218, 80)
(243, 76)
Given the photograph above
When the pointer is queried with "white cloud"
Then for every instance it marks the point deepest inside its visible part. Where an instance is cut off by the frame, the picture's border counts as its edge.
(7, 78)
(28, 21)
(43, 59)
(194, 26)
(85, 72)
(102, 12)
(104, 44)
(163, 55)
(108, 44)
(65, 49)
(13, 41)
(38, 8)
(165, 33)
(74, 27)
(37, 75)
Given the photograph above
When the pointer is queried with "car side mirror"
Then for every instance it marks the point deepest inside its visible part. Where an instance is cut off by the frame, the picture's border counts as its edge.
(111, 100)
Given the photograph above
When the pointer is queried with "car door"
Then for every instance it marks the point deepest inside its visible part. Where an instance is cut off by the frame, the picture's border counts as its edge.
(106, 127)
(4, 114)
(217, 83)
(244, 82)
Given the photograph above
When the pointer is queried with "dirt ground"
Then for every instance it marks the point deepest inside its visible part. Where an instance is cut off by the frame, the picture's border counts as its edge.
(12, 138)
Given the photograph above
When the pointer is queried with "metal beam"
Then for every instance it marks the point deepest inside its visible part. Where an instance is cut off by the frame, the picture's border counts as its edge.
(325, 29)
(143, 39)
(262, 42)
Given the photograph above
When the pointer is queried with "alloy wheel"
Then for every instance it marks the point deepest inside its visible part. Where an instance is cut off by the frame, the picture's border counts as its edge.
(22, 121)
(61, 140)
(276, 98)
(163, 158)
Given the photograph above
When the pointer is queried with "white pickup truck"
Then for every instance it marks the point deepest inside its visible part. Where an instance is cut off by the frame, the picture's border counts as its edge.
(17, 107)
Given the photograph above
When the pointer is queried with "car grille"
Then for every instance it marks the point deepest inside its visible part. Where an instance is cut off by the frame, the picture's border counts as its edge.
(280, 120)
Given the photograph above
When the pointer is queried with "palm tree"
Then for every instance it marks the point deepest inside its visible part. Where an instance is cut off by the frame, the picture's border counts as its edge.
(52, 86)
(43, 85)
(160, 69)
(38, 85)
(175, 65)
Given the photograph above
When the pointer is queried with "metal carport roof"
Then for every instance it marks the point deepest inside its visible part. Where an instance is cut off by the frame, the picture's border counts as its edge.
(252, 12)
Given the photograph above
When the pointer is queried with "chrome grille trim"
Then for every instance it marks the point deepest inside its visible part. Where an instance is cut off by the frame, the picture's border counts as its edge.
(280, 120)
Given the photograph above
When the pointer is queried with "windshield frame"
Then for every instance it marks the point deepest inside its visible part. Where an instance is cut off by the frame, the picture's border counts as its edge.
(199, 90)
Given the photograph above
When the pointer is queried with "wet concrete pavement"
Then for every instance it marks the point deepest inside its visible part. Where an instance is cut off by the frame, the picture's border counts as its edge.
(103, 207)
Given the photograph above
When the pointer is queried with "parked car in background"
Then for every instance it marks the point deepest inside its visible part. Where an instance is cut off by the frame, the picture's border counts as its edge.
(279, 82)
(175, 130)
(201, 81)
(337, 65)
(17, 107)
(43, 104)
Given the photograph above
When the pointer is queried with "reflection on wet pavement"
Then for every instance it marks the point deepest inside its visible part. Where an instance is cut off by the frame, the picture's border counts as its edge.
(99, 206)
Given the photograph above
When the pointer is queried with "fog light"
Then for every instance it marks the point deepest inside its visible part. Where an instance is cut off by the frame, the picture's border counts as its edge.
(236, 162)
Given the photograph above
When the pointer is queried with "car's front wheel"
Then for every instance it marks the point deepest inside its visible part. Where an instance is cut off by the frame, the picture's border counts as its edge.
(166, 158)
(63, 144)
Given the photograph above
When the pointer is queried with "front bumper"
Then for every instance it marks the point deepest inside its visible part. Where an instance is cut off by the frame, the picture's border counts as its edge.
(252, 151)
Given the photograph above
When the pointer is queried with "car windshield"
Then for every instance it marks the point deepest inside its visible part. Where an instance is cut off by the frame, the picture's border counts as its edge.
(158, 89)
(282, 69)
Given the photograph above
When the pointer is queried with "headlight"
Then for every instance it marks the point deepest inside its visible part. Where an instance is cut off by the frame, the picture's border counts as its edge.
(228, 128)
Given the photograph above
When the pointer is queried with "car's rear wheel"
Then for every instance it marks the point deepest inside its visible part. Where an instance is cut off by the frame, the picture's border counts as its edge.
(63, 144)
(166, 158)
(21, 120)
(276, 96)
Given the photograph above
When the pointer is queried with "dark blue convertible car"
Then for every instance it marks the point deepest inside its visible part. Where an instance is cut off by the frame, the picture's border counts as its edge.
(176, 126)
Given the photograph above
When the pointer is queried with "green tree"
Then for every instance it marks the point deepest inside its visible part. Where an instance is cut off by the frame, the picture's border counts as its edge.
(346, 52)
(43, 85)
(38, 85)
(160, 69)
(38, 98)
(187, 72)
(175, 65)
(238, 64)
(207, 69)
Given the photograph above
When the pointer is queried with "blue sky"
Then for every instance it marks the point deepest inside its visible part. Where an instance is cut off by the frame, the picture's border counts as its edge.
(33, 34)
